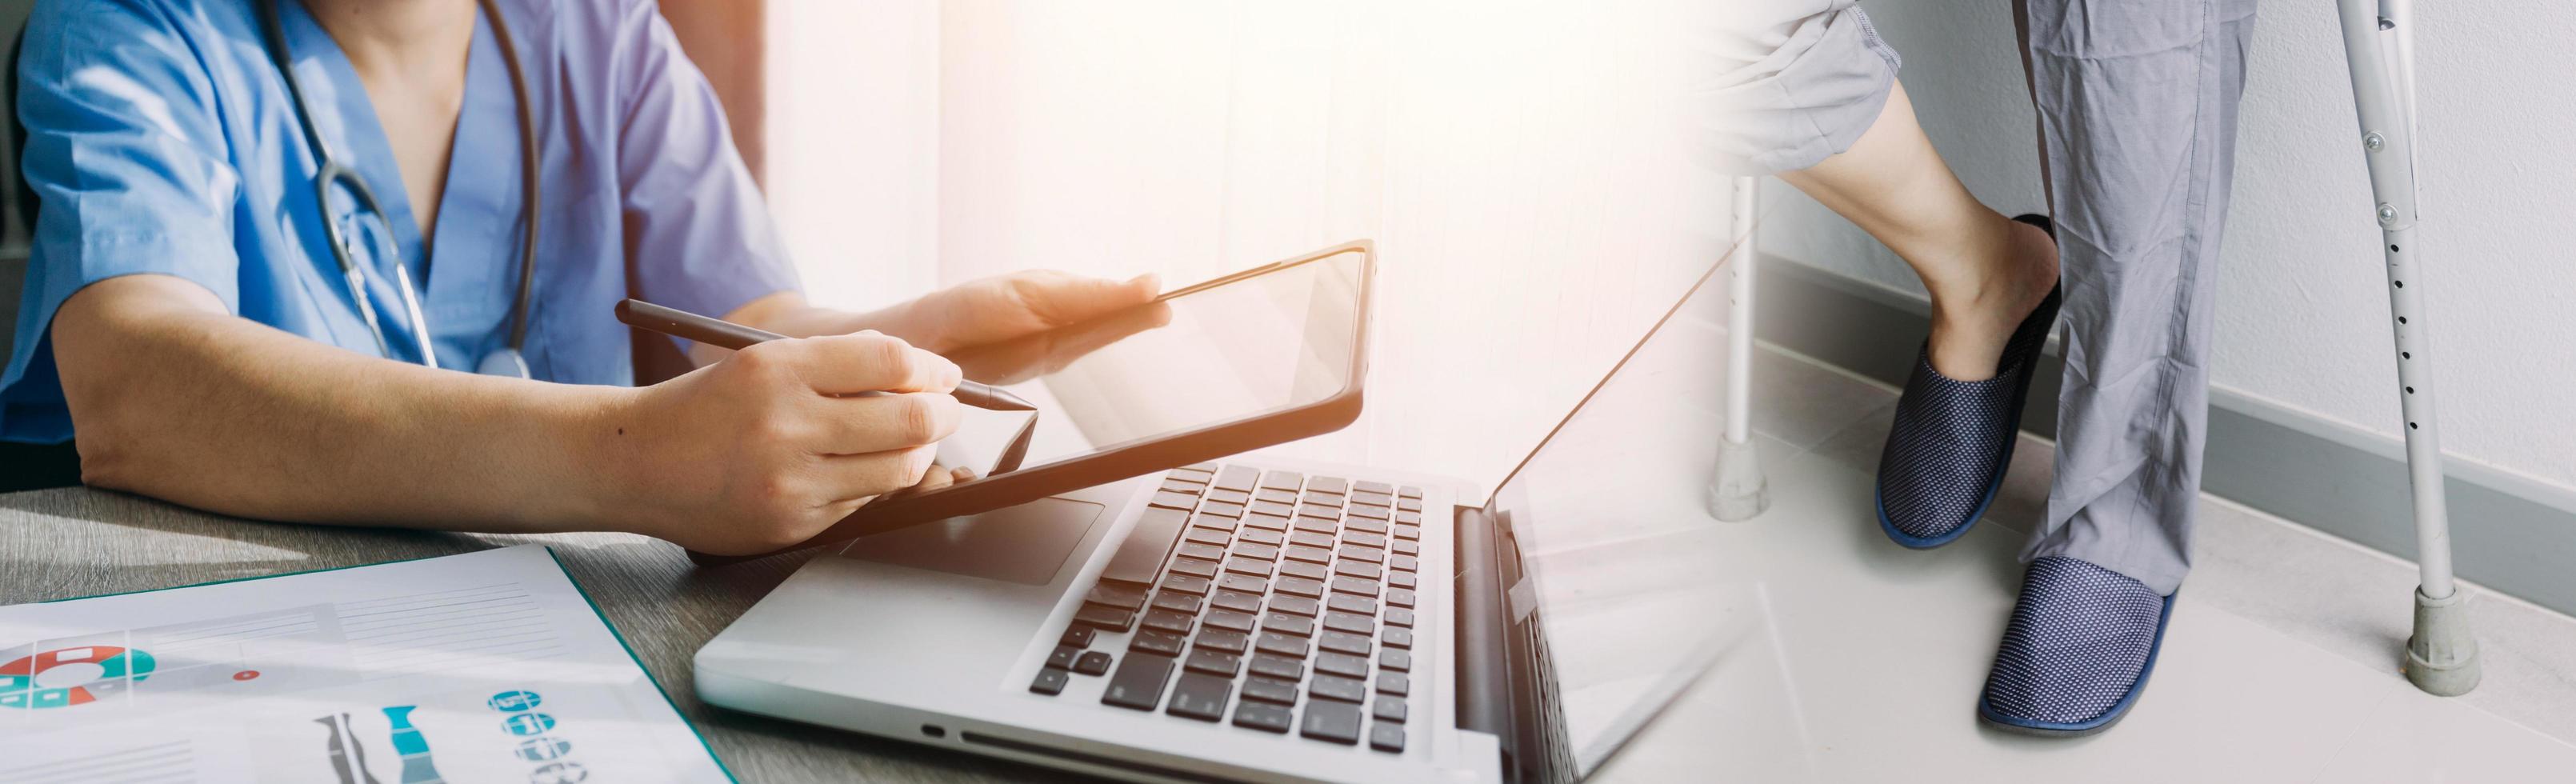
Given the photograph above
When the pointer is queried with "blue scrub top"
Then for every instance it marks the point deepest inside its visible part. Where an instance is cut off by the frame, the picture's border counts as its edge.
(161, 139)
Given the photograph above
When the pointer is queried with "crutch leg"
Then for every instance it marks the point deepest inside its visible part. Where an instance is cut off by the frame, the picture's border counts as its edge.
(2378, 36)
(1739, 492)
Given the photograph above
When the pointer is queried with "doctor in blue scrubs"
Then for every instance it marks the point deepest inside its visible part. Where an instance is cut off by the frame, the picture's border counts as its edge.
(190, 325)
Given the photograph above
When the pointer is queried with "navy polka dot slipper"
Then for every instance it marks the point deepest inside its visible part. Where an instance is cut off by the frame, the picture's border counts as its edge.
(1951, 441)
(2077, 652)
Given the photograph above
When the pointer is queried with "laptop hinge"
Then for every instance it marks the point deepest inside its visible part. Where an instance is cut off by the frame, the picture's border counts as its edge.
(1483, 623)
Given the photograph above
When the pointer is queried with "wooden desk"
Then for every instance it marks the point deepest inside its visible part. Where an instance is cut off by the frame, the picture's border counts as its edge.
(71, 542)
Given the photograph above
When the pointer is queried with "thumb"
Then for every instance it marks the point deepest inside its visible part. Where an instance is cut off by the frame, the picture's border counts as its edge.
(1073, 299)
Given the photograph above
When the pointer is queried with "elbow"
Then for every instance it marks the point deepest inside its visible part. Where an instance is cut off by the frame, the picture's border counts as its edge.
(114, 454)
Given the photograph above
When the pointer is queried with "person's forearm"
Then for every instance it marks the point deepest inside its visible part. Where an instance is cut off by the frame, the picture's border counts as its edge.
(176, 400)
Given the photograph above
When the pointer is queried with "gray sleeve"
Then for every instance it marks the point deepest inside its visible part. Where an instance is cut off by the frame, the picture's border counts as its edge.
(1782, 84)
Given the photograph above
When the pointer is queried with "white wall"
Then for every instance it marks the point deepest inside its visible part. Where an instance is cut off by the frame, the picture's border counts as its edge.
(1516, 162)
(853, 140)
(2303, 308)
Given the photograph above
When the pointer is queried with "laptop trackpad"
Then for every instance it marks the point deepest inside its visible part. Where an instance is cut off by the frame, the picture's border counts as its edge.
(1021, 544)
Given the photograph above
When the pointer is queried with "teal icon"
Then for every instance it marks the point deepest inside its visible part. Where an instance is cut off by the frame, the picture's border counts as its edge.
(542, 749)
(528, 724)
(514, 701)
(558, 773)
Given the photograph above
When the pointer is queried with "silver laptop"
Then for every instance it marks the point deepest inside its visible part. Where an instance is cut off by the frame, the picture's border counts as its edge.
(1271, 620)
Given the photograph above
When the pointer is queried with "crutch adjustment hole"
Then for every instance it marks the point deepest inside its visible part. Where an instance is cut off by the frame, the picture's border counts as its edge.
(2401, 284)
(2410, 390)
(2405, 355)
(2401, 319)
(2392, 249)
(2410, 425)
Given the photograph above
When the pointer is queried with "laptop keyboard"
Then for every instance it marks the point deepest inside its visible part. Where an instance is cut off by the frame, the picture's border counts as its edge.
(1274, 601)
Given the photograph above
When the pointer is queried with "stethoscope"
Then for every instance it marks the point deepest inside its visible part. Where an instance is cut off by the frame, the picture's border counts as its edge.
(509, 360)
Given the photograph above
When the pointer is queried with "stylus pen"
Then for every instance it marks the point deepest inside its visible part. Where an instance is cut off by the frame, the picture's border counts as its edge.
(719, 332)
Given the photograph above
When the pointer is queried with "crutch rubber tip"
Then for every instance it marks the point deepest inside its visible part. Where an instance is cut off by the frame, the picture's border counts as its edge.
(1738, 492)
(2442, 656)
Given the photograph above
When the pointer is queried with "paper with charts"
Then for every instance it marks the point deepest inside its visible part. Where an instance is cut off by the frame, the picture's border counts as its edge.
(484, 667)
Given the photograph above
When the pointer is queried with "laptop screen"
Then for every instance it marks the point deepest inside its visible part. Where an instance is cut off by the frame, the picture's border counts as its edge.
(1619, 582)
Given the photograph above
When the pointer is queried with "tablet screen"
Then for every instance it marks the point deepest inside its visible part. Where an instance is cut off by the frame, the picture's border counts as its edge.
(1234, 349)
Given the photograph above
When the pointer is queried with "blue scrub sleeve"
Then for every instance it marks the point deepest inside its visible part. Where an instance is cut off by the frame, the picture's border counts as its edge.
(696, 224)
(127, 160)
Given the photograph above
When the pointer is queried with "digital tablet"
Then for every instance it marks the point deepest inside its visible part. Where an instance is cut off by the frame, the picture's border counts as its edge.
(1261, 357)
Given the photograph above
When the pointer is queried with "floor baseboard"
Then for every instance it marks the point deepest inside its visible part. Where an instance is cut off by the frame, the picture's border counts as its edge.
(2508, 533)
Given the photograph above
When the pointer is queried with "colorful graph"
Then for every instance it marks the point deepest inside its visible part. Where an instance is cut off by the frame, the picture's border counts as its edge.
(65, 677)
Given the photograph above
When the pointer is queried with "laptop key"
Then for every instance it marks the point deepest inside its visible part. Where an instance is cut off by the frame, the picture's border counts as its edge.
(1343, 602)
(1342, 622)
(1334, 722)
(1360, 569)
(1221, 509)
(1275, 495)
(1270, 527)
(1235, 478)
(1283, 668)
(1296, 605)
(1284, 480)
(1342, 664)
(1319, 525)
(1196, 473)
(1319, 511)
(1328, 484)
(1395, 638)
(1387, 708)
(1186, 584)
(1284, 645)
(1363, 539)
(1222, 640)
(1171, 500)
(1400, 597)
(1408, 518)
(1138, 683)
(1408, 491)
(1267, 718)
(1076, 636)
(1267, 690)
(1155, 642)
(1299, 552)
(1339, 689)
(1399, 579)
(1392, 659)
(1404, 563)
(1248, 566)
(1194, 567)
(1344, 583)
(1299, 586)
(1393, 683)
(1140, 555)
(1315, 539)
(1092, 663)
(1373, 514)
(1179, 485)
(1214, 522)
(1229, 620)
(1386, 737)
(1398, 616)
(1260, 536)
(1364, 524)
(1321, 498)
(1110, 618)
(1380, 488)
(1409, 504)
(1201, 550)
(1344, 642)
(1304, 569)
(1244, 549)
(1200, 697)
(1166, 620)
(1213, 663)
(1248, 604)
(1270, 509)
(1406, 547)
(1176, 602)
(1207, 535)
(1372, 498)
(1224, 496)
(1403, 531)
(1062, 657)
(1284, 623)
(1244, 583)
(1050, 682)
(1359, 553)
(1123, 596)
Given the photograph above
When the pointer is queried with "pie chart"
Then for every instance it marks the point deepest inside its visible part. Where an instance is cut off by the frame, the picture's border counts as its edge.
(64, 677)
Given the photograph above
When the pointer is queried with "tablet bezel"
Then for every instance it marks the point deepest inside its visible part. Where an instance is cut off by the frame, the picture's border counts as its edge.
(1135, 458)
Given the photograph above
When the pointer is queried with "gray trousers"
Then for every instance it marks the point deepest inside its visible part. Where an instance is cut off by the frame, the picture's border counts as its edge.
(2137, 102)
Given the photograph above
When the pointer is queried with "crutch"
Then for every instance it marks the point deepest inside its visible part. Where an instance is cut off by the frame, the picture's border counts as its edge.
(2379, 45)
(1738, 491)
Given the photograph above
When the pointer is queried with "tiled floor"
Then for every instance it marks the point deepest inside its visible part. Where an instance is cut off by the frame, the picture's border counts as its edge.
(1863, 660)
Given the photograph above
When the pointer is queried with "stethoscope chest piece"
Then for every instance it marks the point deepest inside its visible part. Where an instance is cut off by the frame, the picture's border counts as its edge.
(505, 362)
